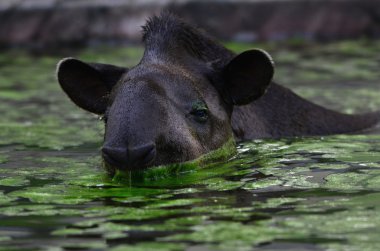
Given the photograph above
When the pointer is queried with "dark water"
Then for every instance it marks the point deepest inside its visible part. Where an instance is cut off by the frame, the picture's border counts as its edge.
(318, 193)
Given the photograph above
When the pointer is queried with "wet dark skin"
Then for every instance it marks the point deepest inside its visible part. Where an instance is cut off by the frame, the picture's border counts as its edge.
(188, 96)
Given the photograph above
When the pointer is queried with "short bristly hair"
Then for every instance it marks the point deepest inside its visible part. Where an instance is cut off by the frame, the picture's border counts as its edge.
(168, 33)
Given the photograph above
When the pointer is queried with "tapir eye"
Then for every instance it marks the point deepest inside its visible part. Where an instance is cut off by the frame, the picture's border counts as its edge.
(199, 111)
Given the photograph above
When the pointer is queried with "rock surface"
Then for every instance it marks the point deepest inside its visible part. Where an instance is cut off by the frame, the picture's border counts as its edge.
(57, 23)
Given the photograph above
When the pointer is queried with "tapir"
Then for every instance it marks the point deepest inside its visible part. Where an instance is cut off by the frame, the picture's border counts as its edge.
(188, 96)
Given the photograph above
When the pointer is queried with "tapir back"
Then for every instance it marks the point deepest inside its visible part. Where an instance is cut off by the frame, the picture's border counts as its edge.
(282, 113)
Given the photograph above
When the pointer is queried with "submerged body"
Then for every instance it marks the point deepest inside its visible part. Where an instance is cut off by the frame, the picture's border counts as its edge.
(189, 96)
(282, 113)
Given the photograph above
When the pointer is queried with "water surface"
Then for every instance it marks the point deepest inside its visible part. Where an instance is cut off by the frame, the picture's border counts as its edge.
(314, 193)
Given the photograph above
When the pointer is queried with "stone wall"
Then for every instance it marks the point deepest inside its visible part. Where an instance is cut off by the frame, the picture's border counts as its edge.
(57, 23)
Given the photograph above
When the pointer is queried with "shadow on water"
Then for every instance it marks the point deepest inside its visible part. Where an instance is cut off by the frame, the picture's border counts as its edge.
(315, 193)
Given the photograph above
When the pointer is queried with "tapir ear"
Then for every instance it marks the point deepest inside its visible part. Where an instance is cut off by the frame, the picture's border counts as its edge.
(88, 84)
(247, 76)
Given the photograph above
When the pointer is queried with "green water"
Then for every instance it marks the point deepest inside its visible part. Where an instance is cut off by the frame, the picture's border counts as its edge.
(318, 193)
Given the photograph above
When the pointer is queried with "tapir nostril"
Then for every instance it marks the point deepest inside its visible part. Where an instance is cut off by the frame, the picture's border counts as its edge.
(133, 157)
(142, 155)
(115, 155)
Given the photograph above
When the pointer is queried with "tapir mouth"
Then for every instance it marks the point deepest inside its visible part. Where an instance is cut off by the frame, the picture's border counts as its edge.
(111, 169)
(141, 165)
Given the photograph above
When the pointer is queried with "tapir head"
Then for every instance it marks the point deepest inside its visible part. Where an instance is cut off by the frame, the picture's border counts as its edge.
(176, 104)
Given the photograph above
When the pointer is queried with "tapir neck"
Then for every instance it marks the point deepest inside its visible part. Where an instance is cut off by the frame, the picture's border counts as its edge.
(282, 113)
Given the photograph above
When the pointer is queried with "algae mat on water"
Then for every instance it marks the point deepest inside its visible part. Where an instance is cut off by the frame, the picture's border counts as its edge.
(317, 193)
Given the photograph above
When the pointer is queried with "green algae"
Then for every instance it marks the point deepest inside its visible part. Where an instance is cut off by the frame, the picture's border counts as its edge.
(37, 210)
(91, 245)
(144, 214)
(71, 194)
(220, 184)
(175, 203)
(5, 200)
(107, 230)
(266, 156)
(264, 183)
(356, 226)
(14, 181)
(369, 180)
(44, 135)
(231, 235)
(221, 154)
(3, 159)
(151, 247)
(278, 202)
(4, 238)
